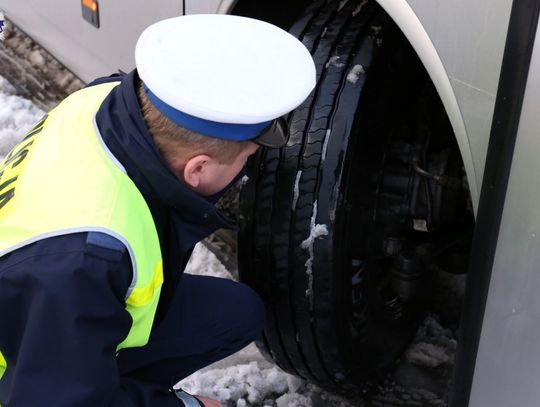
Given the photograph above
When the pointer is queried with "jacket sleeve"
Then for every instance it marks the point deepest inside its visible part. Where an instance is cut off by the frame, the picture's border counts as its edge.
(62, 316)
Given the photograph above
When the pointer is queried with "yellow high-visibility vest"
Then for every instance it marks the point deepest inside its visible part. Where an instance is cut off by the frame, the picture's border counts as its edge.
(62, 179)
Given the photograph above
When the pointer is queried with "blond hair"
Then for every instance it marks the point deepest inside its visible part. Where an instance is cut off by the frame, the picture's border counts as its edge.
(172, 139)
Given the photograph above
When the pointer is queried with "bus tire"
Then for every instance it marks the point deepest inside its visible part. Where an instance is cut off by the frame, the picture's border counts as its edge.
(321, 231)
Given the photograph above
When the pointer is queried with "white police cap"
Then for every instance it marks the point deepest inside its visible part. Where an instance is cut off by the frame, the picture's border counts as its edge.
(224, 76)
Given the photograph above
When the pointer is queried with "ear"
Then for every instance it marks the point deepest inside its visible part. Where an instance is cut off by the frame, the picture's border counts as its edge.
(194, 170)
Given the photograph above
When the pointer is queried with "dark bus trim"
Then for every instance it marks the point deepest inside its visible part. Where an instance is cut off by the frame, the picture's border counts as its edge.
(512, 83)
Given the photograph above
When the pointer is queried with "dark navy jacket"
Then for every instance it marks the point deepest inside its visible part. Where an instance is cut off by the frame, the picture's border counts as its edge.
(49, 307)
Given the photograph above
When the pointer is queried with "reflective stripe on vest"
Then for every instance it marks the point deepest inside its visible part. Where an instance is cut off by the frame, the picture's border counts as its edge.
(62, 179)
(3, 365)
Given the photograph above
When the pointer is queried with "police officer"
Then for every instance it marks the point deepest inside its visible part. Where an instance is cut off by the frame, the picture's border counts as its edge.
(102, 203)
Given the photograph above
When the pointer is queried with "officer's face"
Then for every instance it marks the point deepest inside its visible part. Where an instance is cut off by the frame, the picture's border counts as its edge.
(207, 176)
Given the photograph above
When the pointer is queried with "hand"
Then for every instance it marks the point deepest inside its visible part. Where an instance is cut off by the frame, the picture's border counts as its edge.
(208, 402)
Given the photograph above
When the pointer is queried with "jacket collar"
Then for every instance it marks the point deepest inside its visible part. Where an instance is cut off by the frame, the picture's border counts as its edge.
(122, 126)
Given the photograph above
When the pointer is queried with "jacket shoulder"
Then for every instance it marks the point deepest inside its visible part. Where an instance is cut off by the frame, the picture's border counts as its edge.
(115, 77)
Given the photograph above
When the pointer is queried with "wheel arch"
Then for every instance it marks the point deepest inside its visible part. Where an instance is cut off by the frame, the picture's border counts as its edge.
(411, 26)
(413, 29)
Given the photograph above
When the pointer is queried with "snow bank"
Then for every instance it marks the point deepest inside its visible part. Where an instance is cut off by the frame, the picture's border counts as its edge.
(248, 385)
(17, 116)
(204, 262)
(433, 346)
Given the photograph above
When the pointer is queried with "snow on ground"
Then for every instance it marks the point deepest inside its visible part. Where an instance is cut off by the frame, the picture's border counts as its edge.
(17, 115)
(203, 261)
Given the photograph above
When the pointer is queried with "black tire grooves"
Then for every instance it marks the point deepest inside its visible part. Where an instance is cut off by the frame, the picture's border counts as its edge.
(271, 259)
(249, 200)
(305, 21)
(325, 327)
(309, 162)
(299, 333)
(290, 334)
(284, 339)
(273, 334)
(254, 272)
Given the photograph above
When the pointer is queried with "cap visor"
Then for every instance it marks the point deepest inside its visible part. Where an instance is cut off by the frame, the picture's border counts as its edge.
(274, 136)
